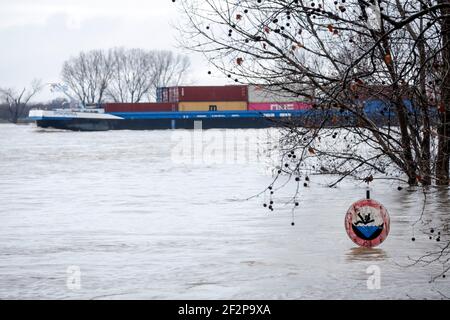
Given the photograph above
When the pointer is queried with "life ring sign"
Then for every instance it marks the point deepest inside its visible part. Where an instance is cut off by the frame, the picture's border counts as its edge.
(367, 223)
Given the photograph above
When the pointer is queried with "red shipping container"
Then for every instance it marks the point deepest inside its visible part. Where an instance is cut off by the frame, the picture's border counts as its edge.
(210, 93)
(279, 106)
(140, 107)
(173, 94)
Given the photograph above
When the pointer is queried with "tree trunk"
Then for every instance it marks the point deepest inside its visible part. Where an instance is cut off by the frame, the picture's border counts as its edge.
(443, 156)
(426, 141)
(13, 114)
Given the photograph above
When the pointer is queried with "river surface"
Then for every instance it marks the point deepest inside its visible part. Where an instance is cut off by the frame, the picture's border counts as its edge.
(125, 215)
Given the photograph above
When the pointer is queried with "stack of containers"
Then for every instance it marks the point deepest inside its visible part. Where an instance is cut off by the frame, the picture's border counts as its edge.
(140, 107)
(261, 98)
(206, 98)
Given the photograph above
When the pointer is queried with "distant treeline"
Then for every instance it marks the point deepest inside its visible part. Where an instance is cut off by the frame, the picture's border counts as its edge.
(96, 76)
(7, 112)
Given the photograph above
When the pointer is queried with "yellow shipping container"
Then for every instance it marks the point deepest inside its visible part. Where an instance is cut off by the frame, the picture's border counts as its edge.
(213, 106)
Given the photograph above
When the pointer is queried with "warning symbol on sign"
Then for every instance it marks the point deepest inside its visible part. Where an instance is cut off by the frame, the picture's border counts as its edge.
(367, 223)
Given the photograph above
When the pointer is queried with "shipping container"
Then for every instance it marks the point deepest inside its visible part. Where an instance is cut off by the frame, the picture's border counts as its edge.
(172, 94)
(165, 95)
(210, 93)
(159, 94)
(213, 106)
(381, 107)
(275, 106)
(140, 107)
(202, 93)
(260, 93)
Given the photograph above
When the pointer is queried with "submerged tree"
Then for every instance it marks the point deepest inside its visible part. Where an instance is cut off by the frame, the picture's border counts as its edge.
(17, 101)
(342, 55)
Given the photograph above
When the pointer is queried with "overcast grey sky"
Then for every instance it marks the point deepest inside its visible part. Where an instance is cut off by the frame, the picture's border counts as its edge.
(38, 35)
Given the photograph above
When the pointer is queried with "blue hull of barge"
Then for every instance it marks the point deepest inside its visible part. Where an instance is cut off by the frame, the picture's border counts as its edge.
(175, 120)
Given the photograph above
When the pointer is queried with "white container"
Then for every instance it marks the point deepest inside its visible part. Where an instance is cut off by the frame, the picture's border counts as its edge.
(260, 93)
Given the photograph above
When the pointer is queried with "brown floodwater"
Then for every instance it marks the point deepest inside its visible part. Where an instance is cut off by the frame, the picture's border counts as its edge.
(136, 220)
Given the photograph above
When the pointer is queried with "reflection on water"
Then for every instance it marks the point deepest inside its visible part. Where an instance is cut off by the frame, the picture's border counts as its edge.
(139, 226)
(366, 254)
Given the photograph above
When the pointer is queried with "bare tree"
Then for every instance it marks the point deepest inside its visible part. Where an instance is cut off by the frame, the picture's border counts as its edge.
(169, 70)
(346, 56)
(17, 101)
(133, 75)
(443, 158)
(122, 75)
(88, 75)
(342, 55)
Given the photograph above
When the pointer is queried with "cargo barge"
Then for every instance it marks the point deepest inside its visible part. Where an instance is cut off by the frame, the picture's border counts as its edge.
(79, 121)
(182, 108)
(209, 107)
